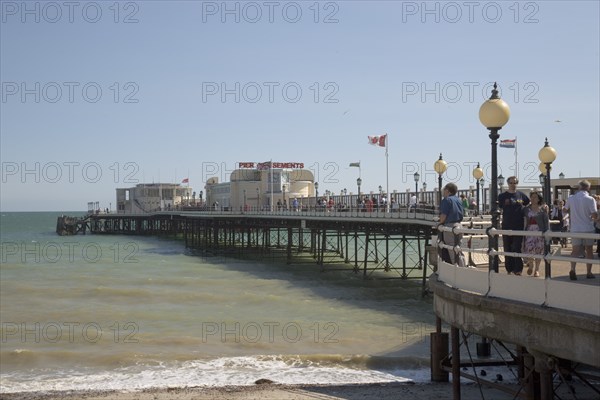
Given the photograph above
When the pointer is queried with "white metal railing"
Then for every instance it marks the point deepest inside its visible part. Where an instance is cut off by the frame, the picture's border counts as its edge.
(548, 292)
(403, 213)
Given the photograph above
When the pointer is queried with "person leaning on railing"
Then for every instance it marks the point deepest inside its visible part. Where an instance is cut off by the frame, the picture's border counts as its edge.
(451, 215)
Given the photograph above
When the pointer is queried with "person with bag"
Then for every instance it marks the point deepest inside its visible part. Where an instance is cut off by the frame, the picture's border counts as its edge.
(536, 219)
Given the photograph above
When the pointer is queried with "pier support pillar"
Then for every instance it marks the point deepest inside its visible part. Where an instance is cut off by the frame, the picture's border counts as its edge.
(530, 375)
(455, 363)
(439, 352)
(544, 365)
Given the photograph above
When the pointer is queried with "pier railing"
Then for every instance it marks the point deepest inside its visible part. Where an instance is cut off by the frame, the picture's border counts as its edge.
(560, 292)
(427, 215)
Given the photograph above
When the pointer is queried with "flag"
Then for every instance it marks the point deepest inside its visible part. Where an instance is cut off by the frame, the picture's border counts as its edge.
(264, 165)
(355, 164)
(508, 143)
(186, 180)
(378, 140)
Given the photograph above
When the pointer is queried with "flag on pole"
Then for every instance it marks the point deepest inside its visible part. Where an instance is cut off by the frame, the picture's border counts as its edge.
(186, 180)
(508, 143)
(355, 164)
(378, 140)
(263, 166)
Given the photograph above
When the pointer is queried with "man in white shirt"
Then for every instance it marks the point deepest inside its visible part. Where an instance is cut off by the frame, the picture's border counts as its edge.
(412, 202)
(583, 212)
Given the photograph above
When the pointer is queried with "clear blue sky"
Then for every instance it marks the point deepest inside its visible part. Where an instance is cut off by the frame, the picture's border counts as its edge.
(190, 88)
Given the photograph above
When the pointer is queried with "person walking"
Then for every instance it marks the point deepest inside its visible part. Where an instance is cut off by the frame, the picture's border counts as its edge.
(556, 214)
(583, 213)
(536, 220)
(597, 224)
(511, 203)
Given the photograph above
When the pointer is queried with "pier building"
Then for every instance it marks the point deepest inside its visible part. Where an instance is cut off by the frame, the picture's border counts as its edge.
(261, 186)
(150, 197)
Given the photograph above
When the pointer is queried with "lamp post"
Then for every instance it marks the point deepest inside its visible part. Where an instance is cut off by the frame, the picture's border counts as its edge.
(440, 167)
(478, 175)
(547, 155)
(316, 193)
(424, 192)
(417, 176)
(283, 187)
(561, 176)
(482, 185)
(500, 182)
(494, 113)
(358, 183)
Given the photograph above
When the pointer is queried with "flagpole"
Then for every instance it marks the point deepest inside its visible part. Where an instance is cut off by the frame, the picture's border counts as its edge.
(516, 161)
(387, 176)
(272, 186)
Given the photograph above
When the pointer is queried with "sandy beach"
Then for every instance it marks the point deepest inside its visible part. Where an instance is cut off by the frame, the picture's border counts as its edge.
(411, 391)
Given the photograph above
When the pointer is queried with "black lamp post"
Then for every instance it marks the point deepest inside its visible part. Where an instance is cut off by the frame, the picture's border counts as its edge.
(482, 186)
(440, 167)
(417, 176)
(478, 175)
(500, 182)
(547, 155)
(494, 113)
(358, 183)
(284, 204)
(316, 192)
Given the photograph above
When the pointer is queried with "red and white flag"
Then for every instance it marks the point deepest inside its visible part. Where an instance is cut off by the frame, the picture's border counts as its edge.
(186, 180)
(509, 143)
(378, 140)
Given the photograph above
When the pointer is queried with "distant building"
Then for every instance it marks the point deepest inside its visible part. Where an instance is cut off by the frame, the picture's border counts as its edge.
(562, 188)
(258, 186)
(150, 197)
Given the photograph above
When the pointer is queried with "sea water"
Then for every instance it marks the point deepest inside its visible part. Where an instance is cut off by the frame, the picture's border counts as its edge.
(132, 312)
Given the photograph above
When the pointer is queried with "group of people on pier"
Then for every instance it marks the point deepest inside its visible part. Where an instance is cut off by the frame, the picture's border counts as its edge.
(519, 211)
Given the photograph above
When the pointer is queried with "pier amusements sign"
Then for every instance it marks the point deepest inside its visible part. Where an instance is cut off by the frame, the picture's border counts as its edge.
(266, 165)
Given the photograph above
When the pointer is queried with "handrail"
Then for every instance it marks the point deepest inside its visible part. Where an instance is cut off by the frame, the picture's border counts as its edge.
(549, 292)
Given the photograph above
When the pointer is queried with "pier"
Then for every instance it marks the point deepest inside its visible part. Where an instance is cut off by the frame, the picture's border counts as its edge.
(367, 242)
(548, 328)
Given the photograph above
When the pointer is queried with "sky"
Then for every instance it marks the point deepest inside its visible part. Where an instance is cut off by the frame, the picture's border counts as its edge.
(104, 95)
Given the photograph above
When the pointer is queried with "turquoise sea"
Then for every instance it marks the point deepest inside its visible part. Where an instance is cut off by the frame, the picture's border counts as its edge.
(127, 312)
